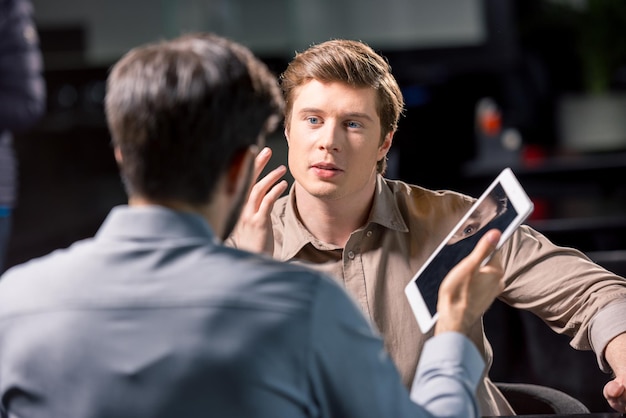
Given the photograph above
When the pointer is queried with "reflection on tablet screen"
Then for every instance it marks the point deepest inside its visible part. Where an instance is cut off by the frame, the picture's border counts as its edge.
(495, 211)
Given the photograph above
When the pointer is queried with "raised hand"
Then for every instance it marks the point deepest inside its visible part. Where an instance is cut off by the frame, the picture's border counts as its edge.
(470, 287)
(253, 232)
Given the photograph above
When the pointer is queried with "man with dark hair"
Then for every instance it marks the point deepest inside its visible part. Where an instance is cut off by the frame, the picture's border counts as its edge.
(154, 317)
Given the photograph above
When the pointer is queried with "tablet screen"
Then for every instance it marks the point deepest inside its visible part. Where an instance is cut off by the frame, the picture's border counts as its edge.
(495, 211)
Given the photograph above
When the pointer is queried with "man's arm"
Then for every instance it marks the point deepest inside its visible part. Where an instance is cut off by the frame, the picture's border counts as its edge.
(351, 375)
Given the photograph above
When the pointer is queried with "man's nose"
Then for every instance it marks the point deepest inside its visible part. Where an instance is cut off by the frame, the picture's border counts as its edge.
(330, 137)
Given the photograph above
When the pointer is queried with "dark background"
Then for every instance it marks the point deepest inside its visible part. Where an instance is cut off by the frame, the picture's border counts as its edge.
(68, 178)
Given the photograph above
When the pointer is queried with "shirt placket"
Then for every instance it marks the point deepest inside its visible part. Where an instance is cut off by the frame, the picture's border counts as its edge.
(354, 271)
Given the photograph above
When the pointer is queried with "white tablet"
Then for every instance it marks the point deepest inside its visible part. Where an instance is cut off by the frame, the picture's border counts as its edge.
(504, 205)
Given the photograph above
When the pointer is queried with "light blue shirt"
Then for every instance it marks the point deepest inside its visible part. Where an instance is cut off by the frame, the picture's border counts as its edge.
(153, 317)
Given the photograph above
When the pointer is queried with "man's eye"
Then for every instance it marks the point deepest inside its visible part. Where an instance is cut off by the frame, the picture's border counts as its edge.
(469, 230)
(353, 124)
(313, 120)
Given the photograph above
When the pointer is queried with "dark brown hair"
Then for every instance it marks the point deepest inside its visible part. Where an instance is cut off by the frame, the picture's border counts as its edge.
(180, 110)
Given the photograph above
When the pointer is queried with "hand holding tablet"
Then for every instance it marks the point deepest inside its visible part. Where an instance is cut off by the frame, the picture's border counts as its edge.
(503, 206)
(470, 288)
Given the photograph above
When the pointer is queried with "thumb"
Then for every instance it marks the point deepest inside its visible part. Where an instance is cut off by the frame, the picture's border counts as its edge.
(485, 246)
(613, 389)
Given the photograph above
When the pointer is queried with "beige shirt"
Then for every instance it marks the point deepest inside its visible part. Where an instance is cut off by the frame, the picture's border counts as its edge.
(407, 223)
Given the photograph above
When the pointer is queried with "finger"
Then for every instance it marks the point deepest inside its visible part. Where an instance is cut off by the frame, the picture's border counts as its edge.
(261, 160)
(494, 260)
(267, 202)
(485, 246)
(260, 189)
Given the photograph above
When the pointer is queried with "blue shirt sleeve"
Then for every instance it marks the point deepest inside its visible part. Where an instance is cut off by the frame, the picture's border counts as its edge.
(352, 375)
(448, 373)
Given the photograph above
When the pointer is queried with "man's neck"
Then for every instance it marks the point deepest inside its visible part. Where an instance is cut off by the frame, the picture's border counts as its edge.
(214, 217)
(333, 220)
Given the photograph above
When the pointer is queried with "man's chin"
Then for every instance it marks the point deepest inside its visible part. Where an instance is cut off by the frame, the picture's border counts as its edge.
(320, 189)
(326, 193)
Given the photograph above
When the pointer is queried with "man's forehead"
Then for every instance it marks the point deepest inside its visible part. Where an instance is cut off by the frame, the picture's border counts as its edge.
(336, 94)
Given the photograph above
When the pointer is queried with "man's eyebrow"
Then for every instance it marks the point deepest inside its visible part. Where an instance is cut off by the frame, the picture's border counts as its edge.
(358, 115)
(310, 110)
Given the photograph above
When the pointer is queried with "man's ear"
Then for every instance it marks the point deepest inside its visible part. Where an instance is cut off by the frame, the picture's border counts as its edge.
(385, 145)
(240, 169)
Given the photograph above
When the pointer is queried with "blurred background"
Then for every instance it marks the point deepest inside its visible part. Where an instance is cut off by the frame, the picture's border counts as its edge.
(535, 85)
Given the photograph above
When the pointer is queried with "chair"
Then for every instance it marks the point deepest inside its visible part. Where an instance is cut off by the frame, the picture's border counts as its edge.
(527, 399)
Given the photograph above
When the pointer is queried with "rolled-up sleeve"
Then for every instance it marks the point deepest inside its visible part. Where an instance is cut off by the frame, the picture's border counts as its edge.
(606, 325)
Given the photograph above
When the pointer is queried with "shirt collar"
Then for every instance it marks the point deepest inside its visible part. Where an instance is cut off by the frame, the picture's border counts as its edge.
(385, 212)
(295, 235)
(153, 222)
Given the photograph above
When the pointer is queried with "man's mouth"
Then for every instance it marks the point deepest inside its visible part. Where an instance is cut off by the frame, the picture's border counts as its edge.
(322, 166)
(325, 170)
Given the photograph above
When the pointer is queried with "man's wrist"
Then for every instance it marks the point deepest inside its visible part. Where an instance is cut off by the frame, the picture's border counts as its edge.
(447, 324)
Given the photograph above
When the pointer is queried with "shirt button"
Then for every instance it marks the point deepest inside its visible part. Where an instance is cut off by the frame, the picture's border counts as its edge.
(369, 234)
(351, 255)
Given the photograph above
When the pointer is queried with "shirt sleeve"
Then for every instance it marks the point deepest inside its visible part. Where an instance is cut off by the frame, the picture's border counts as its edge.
(606, 325)
(352, 376)
(448, 373)
(563, 287)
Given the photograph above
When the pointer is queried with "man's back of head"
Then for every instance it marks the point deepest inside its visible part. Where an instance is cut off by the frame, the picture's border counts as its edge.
(179, 111)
